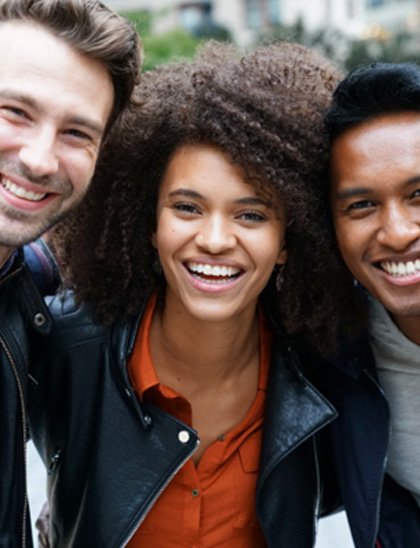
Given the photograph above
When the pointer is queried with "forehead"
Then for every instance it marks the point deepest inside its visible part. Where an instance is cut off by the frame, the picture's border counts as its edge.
(209, 166)
(27, 40)
(36, 64)
(203, 165)
(378, 146)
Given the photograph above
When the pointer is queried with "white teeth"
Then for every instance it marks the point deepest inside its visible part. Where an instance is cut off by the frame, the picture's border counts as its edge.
(211, 270)
(401, 269)
(21, 192)
(410, 268)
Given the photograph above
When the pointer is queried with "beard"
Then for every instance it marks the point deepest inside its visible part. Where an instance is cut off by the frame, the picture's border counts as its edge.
(18, 226)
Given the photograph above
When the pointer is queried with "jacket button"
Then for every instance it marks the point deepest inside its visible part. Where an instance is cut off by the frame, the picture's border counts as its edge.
(183, 436)
(39, 319)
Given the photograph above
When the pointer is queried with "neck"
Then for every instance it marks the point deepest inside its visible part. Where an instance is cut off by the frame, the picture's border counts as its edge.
(202, 350)
(5, 253)
(410, 327)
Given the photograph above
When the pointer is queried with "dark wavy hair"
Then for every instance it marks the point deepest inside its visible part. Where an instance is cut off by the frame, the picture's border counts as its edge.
(373, 90)
(266, 110)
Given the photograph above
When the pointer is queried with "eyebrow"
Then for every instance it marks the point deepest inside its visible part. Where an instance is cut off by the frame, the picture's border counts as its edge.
(32, 103)
(363, 191)
(351, 192)
(248, 200)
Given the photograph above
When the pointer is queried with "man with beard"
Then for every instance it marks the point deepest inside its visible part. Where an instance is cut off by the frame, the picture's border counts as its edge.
(67, 70)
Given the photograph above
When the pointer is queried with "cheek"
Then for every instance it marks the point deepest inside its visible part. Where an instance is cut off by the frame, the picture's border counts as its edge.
(79, 168)
(268, 248)
(167, 238)
(345, 236)
(9, 134)
(352, 247)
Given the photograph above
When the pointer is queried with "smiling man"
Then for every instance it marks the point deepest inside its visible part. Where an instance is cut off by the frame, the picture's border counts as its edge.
(374, 126)
(67, 70)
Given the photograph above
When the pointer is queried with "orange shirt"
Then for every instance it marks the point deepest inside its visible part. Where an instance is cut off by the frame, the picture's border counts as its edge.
(212, 503)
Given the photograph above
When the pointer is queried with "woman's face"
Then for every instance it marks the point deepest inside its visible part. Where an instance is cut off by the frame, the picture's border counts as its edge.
(218, 241)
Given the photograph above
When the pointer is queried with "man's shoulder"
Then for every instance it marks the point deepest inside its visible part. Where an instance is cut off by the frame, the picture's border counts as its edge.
(42, 265)
(73, 322)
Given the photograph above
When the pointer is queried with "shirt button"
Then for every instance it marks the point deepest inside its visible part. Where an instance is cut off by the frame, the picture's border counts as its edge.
(183, 436)
(195, 492)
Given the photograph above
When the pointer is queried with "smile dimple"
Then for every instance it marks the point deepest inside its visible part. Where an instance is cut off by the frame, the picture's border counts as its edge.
(400, 269)
(213, 273)
(20, 192)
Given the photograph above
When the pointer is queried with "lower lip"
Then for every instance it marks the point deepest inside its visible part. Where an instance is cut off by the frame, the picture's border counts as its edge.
(403, 281)
(21, 203)
(212, 287)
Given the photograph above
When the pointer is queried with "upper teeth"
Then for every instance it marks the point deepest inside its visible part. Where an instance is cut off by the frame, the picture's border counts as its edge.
(21, 192)
(210, 270)
(401, 269)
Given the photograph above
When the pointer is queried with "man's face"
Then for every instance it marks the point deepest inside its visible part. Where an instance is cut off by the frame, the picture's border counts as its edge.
(54, 106)
(375, 196)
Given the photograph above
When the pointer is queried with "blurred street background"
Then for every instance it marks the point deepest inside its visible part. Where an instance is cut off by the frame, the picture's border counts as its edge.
(333, 531)
(350, 32)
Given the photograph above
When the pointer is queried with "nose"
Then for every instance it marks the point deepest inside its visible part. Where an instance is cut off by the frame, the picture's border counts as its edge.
(38, 153)
(400, 227)
(215, 235)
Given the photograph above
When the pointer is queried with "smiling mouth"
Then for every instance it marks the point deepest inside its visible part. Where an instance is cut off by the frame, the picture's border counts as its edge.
(20, 192)
(213, 273)
(400, 269)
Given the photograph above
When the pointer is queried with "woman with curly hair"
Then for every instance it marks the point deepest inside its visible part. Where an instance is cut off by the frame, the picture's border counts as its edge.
(170, 406)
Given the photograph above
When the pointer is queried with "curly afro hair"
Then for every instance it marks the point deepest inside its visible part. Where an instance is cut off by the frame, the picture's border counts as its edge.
(265, 109)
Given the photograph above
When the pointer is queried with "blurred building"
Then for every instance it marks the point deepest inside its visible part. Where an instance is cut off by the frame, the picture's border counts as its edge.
(389, 16)
(246, 18)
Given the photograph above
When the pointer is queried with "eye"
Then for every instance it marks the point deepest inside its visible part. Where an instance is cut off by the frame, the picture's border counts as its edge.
(77, 134)
(252, 216)
(17, 111)
(187, 208)
(416, 193)
(360, 205)
(13, 112)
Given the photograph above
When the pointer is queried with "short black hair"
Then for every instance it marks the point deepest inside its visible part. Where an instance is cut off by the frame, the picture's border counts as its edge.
(373, 90)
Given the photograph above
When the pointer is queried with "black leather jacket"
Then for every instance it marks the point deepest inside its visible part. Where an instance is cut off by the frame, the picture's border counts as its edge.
(380, 512)
(22, 310)
(110, 456)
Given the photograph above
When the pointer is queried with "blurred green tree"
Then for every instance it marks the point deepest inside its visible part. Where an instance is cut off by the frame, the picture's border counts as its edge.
(394, 48)
(329, 42)
(170, 46)
(348, 53)
(177, 44)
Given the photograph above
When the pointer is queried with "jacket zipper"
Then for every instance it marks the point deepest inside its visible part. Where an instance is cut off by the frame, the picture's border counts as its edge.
(384, 464)
(9, 355)
(310, 433)
(159, 492)
(318, 481)
(318, 485)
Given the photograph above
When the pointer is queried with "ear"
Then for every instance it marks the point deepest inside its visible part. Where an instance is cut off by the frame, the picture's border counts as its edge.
(282, 256)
